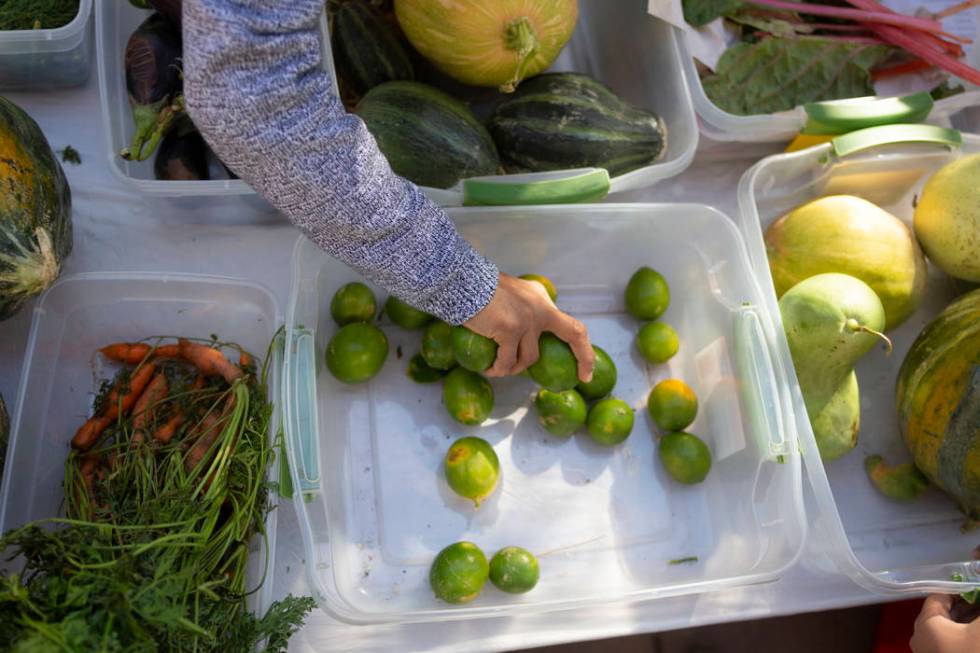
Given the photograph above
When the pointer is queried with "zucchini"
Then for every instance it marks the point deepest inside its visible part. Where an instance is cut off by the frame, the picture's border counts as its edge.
(368, 48)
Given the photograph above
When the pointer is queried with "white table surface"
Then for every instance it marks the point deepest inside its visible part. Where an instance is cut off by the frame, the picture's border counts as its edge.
(117, 229)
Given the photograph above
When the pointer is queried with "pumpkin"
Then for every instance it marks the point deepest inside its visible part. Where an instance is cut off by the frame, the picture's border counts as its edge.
(483, 43)
(938, 396)
(35, 210)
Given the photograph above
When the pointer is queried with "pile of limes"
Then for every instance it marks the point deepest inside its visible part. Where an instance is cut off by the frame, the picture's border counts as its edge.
(460, 571)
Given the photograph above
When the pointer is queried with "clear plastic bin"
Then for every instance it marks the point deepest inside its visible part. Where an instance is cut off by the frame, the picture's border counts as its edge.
(719, 125)
(606, 523)
(75, 317)
(47, 58)
(883, 545)
(636, 54)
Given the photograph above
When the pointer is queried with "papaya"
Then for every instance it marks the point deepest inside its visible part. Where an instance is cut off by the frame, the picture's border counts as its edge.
(938, 399)
(831, 321)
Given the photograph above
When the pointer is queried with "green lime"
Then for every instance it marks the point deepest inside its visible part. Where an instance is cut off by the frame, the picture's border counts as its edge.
(514, 570)
(610, 421)
(353, 302)
(544, 281)
(356, 352)
(657, 342)
(459, 573)
(556, 368)
(672, 405)
(560, 413)
(473, 351)
(472, 469)
(647, 294)
(603, 376)
(404, 315)
(420, 372)
(685, 457)
(437, 346)
(468, 396)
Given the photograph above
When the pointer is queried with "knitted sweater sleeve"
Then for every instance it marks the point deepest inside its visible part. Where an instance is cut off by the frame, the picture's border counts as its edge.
(255, 89)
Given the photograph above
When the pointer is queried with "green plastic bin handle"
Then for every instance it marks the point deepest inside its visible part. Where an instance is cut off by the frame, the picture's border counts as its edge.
(842, 116)
(565, 187)
(865, 139)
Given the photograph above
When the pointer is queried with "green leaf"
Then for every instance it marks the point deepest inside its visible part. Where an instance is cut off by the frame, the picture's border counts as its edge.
(698, 13)
(778, 74)
(777, 23)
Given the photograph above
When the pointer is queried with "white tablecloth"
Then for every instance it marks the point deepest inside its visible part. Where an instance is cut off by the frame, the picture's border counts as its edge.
(117, 229)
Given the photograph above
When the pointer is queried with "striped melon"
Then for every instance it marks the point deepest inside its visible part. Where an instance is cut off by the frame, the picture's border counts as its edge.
(938, 396)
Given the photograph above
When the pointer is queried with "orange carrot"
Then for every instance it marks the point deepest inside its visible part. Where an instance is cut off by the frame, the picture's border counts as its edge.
(210, 362)
(244, 360)
(167, 351)
(145, 405)
(165, 433)
(131, 353)
(89, 432)
(137, 382)
(198, 382)
(207, 433)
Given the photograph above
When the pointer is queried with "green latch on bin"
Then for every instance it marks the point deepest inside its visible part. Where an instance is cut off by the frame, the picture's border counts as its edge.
(564, 187)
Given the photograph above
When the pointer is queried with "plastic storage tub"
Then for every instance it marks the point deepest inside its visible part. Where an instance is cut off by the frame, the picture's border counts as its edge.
(719, 125)
(636, 54)
(606, 522)
(76, 316)
(47, 58)
(882, 545)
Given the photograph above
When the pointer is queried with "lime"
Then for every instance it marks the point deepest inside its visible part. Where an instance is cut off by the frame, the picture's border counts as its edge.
(459, 573)
(473, 351)
(420, 372)
(657, 342)
(544, 281)
(514, 570)
(610, 421)
(472, 469)
(603, 376)
(404, 315)
(647, 294)
(437, 346)
(560, 413)
(685, 457)
(353, 302)
(556, 368)
(357, 352)
(468, 396)
(672, 405)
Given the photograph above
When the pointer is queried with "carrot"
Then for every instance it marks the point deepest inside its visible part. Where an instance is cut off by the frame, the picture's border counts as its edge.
(137, 382)
(244, 360)
(167, 351)
(132, 353)
(145, 405)
(89, 432)
(210, 362)
(198, 383)
(165, 433)
(206, 433)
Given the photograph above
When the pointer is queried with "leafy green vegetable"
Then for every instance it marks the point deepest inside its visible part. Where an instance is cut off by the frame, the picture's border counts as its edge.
(945, 90)
(778, 74)
(70, 155)
(698, 13)
(36, 14)
(777, 23)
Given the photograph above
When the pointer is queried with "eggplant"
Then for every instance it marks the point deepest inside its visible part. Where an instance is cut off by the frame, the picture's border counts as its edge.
(154, 83)
(183, 154)
(169, 9)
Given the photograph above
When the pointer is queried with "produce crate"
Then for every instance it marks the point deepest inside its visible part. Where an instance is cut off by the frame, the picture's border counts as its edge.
(883, 545)
(634, 53)
(82, 313)
(606, 522)
(47, 58)
(719, 125)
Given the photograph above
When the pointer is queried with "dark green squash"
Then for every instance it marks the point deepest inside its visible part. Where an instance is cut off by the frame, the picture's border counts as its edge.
(427, 136)
(567, 120)
(368, 49)
(35, 210)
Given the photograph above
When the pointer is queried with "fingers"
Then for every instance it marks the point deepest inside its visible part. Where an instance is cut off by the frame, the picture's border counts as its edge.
(527, 352)
(506, 356)
(936, 605)
(576, 335)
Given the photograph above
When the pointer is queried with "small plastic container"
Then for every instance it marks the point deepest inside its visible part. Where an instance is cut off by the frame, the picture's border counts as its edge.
(607, 523)
(884, 546)
(47, 58)
(636, 54)
(82, 313)
(719, 125)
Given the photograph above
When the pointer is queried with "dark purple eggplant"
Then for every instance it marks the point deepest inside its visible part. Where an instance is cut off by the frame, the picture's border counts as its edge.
(153, 80)
(169, 9)
(183, 154)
